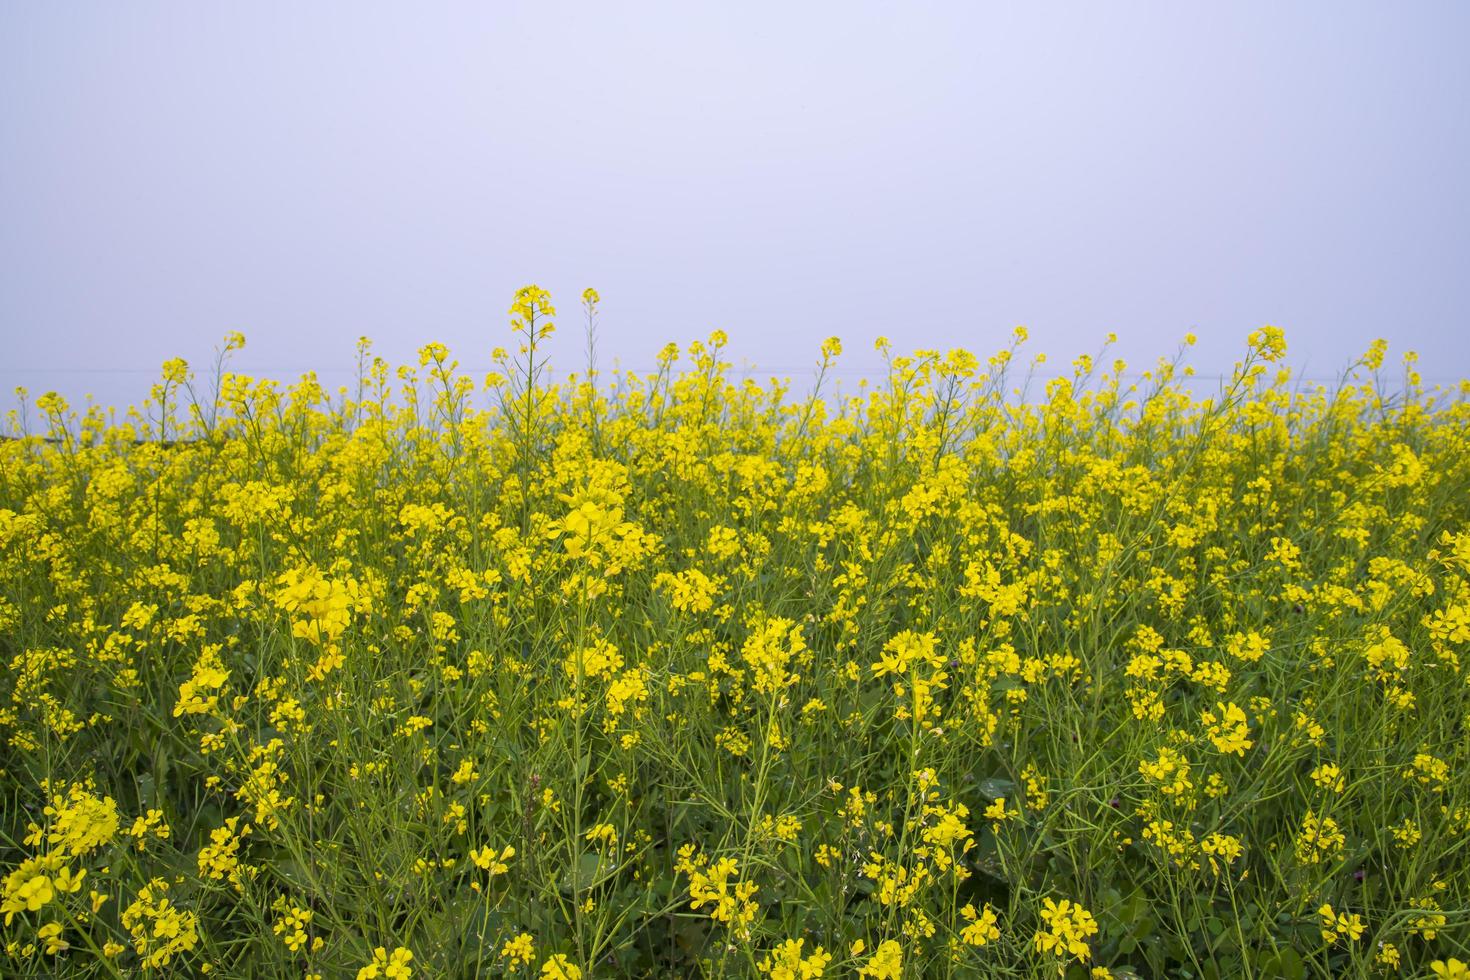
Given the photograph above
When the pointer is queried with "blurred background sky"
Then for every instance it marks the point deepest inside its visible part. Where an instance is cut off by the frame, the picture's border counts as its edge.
(937, 173)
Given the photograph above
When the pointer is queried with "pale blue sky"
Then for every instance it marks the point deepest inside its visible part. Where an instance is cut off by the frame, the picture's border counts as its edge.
(938, 173)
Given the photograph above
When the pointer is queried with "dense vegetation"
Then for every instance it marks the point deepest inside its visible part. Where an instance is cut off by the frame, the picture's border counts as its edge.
(669, 675)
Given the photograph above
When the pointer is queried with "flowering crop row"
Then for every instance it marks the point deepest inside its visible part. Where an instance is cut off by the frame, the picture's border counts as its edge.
(670, 675)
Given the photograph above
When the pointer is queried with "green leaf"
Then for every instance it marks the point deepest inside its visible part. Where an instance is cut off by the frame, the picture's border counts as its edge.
(591, 869)
(1284, 963)
(995, 787)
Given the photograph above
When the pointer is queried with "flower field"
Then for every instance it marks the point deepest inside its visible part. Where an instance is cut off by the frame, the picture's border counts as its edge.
(960, 673)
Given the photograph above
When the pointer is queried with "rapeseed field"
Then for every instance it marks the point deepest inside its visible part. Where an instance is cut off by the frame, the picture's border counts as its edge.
(959, 673)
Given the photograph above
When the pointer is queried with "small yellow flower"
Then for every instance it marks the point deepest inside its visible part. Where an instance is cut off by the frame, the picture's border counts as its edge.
(487, 859)
(50, 934)
(982, 926)
(519, 950)
(558, 967)
(1336, 925)
(886, 962)
(389, 966)
(1268, 342)
(1068, 926)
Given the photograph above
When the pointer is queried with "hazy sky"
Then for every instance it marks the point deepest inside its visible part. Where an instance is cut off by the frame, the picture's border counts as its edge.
(938, 173)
